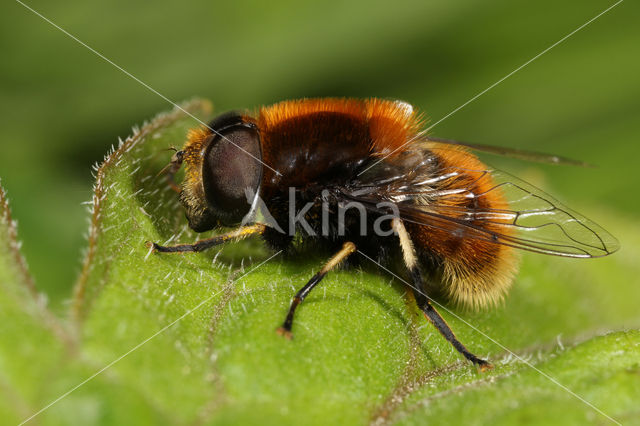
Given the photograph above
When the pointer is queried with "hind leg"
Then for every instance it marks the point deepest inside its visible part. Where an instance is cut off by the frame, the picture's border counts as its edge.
(423, 301)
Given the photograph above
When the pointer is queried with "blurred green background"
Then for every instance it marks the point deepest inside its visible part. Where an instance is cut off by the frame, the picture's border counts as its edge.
(63, 107)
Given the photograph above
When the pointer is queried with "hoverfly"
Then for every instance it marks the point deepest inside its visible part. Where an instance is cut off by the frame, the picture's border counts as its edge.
(454, 222)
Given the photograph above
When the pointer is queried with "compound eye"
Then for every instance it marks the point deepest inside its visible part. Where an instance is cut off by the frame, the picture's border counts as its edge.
(232, 169)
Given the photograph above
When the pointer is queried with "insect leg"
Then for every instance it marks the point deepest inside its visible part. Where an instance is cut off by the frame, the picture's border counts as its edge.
(423, 301)
(238, 234)
(335, 260)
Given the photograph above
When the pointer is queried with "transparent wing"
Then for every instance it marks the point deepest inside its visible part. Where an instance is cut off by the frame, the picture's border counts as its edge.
(530, 219)
(520, 154)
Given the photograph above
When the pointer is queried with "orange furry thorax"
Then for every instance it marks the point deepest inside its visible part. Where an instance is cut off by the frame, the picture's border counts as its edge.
(391, 123)
(304, 139)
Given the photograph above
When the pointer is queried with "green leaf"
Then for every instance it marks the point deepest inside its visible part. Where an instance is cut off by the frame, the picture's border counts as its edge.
(190, 338)
(40, 359)
(23, 326)
(602, 371)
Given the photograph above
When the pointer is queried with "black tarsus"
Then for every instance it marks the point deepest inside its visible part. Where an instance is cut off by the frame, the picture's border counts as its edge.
(202, 245)
(439, 323)
(195, 247)
(334, 261)
(285, 330)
